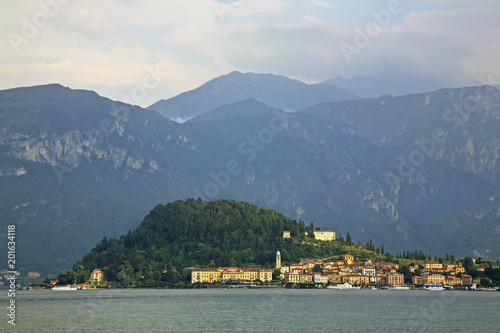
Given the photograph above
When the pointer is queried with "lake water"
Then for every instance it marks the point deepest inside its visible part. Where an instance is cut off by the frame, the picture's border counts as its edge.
(253, 310)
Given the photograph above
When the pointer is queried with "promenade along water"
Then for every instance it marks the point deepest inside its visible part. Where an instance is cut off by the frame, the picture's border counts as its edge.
(256, 310)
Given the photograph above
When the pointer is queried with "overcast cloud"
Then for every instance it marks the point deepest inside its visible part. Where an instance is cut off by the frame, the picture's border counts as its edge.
(168, 47)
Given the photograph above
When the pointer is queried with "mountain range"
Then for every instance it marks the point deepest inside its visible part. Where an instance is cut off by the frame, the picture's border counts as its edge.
(417, 171)
(387, 84)
(273, 90)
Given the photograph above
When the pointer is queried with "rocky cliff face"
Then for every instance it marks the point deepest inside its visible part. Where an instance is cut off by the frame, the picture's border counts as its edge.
(411, 172)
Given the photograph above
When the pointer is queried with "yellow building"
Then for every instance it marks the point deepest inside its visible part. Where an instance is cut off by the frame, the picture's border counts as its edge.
(429, 266)
(292, 277)
(433, 278)
(395, 279)
(356, 279)
(449, 267)
(305, 278)
(453, 281)
(308, 265)
(233, 274)
(348, 259)
(459, 269)
(286, 234)
(205, 275)
(258, 274)
(96, 276)
(324, 235)
(334, 278)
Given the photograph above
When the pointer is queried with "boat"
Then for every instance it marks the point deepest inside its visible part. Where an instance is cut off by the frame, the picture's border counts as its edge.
(399, 287)
(63, 288)
(434, 287)
(343, 286)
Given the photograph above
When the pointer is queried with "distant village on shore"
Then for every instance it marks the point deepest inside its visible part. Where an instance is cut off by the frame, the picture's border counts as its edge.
(342, 270)
(323, 272)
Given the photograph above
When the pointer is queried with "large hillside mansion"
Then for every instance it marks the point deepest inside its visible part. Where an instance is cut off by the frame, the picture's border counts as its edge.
(322, 235)
(344, 269)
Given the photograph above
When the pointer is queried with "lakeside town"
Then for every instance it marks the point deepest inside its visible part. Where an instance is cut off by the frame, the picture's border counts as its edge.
(346, 270)
(343, 271)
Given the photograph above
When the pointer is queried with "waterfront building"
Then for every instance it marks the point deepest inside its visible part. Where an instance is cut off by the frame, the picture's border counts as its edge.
(395, 279)
(257, 274)
(356, 279)
(334, 278)
(205, 275)
(96, 276)
(453, 281)
(291, 277)
(433, 278)
(305, 278)
(232, 274)
(466, 279)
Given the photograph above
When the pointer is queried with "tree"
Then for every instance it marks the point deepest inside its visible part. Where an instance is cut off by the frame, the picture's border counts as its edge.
(485, 282)
(276, 273)
(406, 272)
(317, 268)
(348, 239)
(468, 264)
(172, 276)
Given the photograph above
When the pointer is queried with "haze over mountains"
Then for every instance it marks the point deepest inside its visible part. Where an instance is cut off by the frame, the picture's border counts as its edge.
(417, 171)
(273, 90)
(387, 83)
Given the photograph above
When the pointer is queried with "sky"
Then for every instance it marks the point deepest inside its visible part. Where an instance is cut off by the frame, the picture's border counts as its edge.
(143, 51)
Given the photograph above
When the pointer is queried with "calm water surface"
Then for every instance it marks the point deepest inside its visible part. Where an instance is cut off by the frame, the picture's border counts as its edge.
(251, 310)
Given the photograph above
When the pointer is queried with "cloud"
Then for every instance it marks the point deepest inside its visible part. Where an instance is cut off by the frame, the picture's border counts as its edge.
(248, 7)
(322, 4)
(110, 45)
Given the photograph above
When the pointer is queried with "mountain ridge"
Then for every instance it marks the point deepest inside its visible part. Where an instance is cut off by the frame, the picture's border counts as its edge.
(75, 171)
(273, 90)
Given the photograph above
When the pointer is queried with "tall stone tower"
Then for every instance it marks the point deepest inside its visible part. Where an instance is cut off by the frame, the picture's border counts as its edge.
(278, 259)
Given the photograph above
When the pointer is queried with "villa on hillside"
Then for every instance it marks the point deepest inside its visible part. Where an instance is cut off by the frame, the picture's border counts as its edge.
(96, 276)
(324, 235)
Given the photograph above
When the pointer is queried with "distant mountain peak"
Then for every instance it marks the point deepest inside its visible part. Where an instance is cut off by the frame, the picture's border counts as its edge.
(395, 84)
(273, 90)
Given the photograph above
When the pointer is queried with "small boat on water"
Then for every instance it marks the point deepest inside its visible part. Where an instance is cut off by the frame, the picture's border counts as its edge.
(343, 286)
(398, 287)
(63, 288)
(434, 287)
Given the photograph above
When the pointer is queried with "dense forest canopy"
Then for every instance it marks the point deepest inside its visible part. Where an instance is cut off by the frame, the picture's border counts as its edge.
(193, 233)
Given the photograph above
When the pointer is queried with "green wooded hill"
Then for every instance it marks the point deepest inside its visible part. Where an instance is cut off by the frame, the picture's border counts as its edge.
(194, 233)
